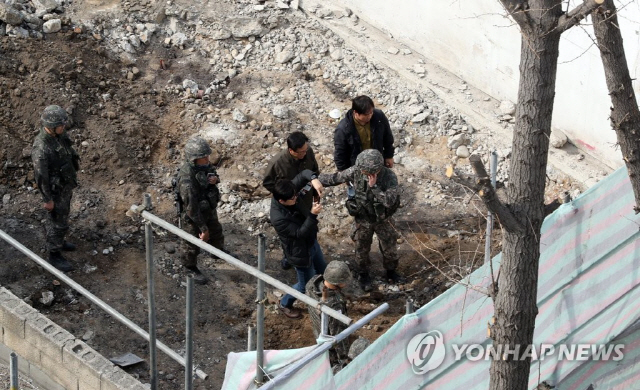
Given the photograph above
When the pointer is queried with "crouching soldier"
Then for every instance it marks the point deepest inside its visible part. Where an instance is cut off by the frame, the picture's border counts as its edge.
(327, 288)
(376, 200)
(199, 196)
(55, 163)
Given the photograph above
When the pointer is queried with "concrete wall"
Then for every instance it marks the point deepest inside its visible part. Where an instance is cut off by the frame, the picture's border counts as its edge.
(474, 40)
(51, 356)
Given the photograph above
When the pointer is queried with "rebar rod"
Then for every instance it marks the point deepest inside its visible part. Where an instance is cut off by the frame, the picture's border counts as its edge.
(286, 374)
(188, 367)
(151, 293)
(260, 313)
(246, 268)
(100, 303)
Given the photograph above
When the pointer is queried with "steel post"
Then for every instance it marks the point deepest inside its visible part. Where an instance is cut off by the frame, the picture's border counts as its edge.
(260, 313)
(251, 339)
(410, 308)
(148, 237)
(13, 369)
(188, 366)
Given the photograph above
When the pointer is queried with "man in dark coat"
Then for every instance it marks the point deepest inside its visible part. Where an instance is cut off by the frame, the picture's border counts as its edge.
(297, 228)
(363, 127)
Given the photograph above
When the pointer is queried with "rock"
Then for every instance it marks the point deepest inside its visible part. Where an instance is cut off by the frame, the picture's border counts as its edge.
(420, 117)
(178, 39)
(358, 347)
(6, 198)
(52, 26)
(417, 68)
(239, 116)
(280, 111)
(9, 15)
(406, 52)
(393, 50)
(462, 151)
(415, 109)
(245, 27)
(295, 4)
(88, 335)
(337, 54)
(558, 138)
(144, 36)
(191, 85)
(281, 5)
(47, 298)
(457, 140)
(105, 251)
(221, 34)
(44, 6)
(16, 31)
(284, 56)
(507, 108)
(170, 247)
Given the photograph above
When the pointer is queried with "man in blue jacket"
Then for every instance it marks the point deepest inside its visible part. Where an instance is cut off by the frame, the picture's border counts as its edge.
(363, 127)
(297, 228)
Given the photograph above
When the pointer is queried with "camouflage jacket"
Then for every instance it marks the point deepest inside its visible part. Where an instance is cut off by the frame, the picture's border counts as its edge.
(335, 300)
(55, 163)
(374, 204)
(199, 198)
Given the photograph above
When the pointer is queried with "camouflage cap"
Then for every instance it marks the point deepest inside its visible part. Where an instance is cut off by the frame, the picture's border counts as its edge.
(337, 272)
(196, 148)
(54, 116)
(370, 161)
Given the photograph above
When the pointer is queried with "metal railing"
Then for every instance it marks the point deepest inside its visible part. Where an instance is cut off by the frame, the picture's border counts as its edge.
(100, 303)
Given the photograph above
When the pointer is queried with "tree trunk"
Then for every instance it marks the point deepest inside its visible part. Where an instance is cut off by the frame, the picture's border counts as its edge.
(516, 299)
(625, 116)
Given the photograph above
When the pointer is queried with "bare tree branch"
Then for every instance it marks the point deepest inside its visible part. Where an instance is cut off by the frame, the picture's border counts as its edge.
(517, 10)
(574, 16)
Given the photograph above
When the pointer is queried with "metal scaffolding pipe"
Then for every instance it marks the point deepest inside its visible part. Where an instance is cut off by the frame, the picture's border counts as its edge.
(251, 338)
(13, 369)
(188, 367)
(286, 374)
(151, 294)
(260, 312)
(410, 308)
(103, 305)
(245, 267)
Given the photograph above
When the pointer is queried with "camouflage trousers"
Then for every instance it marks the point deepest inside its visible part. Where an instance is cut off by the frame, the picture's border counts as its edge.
(57, 224)
(362, 235)
(216, 238)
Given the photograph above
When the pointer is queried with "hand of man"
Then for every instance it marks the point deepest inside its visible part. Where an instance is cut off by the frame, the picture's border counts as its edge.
(204, 236)
(388, 162)
(372, 179)
(49, 205)
(316, 208)
(213, 179)
(318, 186)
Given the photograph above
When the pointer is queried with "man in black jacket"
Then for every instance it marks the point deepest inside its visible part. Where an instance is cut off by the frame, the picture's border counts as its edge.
(363, 127)
(297, 228)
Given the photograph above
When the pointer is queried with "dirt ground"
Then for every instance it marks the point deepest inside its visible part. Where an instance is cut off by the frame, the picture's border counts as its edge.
(130, 144)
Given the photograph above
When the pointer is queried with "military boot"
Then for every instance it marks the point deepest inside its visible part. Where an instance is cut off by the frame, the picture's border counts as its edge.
(394, 277)
(365, 281)
(198, 277)
(57, 260)
(68, 247)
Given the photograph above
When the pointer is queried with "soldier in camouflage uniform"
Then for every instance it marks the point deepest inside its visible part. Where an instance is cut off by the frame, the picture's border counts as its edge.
(376, 200)
(199, 196)
(55, 163)
(327, 289)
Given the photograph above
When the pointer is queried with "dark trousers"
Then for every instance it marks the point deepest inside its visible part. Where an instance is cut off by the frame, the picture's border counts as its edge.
(305, 274)
(216, 238)
(57, 224)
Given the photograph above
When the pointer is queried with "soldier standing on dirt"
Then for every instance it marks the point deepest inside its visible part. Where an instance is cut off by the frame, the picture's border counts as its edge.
(55, 163)
(327, 289)
(287, 164)
(375, 201)
(199, 196)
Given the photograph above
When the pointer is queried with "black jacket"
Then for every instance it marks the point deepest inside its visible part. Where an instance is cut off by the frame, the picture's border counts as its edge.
(297, 228)
(347, 141)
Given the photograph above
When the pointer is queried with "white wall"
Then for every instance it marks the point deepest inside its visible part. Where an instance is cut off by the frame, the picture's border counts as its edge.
(474, 40)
